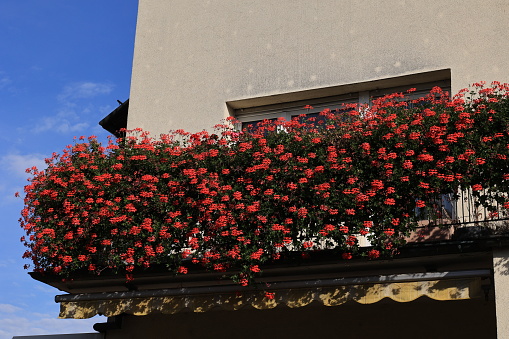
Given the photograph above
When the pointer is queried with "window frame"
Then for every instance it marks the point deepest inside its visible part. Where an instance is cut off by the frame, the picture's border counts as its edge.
(289, 105)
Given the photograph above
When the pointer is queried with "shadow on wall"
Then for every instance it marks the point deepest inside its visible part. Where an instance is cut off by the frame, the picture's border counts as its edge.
(501, 263)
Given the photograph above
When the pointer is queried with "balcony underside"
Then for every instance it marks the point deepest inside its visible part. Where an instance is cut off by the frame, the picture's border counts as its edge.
(445, 270)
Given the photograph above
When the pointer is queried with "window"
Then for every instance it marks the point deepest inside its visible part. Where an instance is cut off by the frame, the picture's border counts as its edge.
(249, 117)
(290, 105)
(249, 112)
(421, 89)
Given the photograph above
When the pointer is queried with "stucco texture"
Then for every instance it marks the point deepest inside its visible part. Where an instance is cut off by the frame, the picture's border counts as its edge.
(192, 56)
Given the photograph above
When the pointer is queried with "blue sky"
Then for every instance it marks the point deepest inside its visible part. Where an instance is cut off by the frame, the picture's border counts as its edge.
(63, 65)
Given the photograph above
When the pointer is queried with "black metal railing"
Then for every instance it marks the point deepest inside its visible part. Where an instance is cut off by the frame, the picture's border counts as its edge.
(463, 209)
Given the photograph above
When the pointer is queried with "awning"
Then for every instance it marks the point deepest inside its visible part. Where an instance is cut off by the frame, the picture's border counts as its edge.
(404, 291)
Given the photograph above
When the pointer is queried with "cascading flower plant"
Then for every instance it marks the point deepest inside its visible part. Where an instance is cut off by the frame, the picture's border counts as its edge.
(233, 201)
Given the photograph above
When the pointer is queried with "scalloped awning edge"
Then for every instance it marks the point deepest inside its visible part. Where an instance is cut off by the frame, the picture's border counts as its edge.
(450, 289)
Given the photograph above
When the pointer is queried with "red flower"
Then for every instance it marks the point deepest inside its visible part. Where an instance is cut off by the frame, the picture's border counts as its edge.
(270, 295)
(368, 224)
(389, 201)
(373, 254)
(480, 161)
(302, 212)
(424, 185)
(176, 200)
(255, 268)
(351, 240)
(343, 229)
(307, 244)
(389, 231)
(346, 256)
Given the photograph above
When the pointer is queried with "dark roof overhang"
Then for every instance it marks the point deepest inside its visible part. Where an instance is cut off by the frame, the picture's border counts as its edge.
(116, 120)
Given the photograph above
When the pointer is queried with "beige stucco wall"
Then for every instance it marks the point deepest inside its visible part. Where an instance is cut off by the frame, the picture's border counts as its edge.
(192, 56)
(501, 282)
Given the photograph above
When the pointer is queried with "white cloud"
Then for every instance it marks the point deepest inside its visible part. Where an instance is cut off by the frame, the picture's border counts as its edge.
(4, 81)
(7, 262)
(17, 163)
(12, 169)
(8, 308)
(46, 289)
(18, 319)
(39, 324)
(7, 197)
(72, 115)
(83, 90)
(61, 123)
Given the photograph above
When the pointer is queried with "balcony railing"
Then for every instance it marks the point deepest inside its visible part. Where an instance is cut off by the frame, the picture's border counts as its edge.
(460, 211)
(463, 209)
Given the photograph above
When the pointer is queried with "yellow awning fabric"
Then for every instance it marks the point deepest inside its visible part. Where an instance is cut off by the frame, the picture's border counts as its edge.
(450, 289)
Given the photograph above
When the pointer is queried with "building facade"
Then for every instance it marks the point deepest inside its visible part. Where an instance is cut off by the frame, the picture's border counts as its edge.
(197, 62)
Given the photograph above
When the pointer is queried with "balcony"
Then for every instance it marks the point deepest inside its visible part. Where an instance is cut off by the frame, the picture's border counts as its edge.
(234, 202)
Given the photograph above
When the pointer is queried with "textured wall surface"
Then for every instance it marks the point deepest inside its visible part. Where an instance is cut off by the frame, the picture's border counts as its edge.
(193, 56)
(501, 277)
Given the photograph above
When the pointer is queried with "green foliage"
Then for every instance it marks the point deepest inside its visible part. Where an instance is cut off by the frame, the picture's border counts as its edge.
(232, 201)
